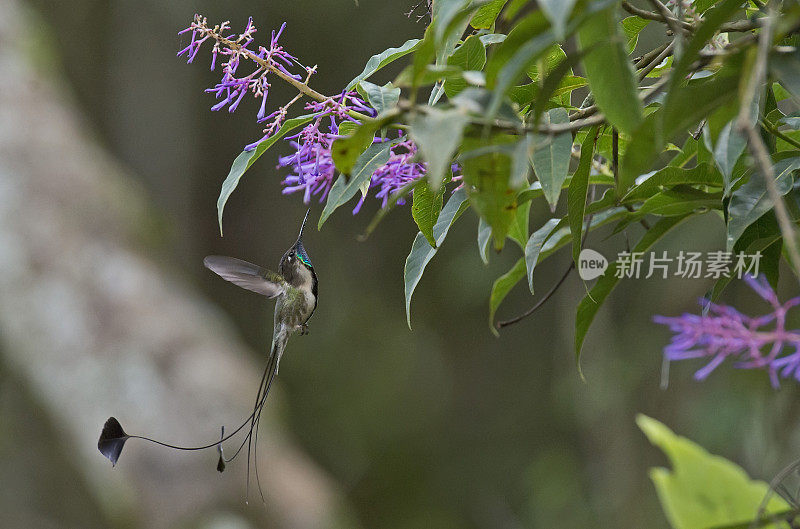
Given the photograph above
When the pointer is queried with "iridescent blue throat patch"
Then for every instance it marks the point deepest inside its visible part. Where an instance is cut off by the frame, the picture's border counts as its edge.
(303, 258)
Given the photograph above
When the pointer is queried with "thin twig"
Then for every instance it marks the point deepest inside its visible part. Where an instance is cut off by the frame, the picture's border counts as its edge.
(738, 25)
(658, 59)
(648, 63)
(648, 57)
(778, 134)
(675, 25)
(658, 17)
(301, 87)
(759, 151)
(541, 302)
(501, 324)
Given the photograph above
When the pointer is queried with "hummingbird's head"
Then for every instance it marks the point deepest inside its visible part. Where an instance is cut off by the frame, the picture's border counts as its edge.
(295, 266)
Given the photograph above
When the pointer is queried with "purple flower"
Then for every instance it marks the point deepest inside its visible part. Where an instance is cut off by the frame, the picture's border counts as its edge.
(755, 343)
(311, 164)
(235, 50)
(398, 172)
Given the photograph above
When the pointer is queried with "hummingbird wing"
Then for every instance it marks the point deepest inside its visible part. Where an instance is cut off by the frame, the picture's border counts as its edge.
(246, 275)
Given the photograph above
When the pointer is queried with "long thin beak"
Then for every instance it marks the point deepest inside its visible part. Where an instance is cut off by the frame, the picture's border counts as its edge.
(302, 227)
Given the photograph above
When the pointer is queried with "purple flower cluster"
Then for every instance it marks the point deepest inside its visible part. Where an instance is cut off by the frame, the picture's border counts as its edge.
(311, 165)
(231, 89)
(398, 172)
(756, 343)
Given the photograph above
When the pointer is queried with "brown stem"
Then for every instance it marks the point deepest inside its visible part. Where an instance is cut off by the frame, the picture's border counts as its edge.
(648, 63)
(739, 25)
(756, 144)
(649, 15)
(653, 63)
(301, 87)
(541, 302)
(677, 26)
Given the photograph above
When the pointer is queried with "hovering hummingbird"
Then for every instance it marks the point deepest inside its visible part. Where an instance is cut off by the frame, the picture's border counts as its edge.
(295, 287)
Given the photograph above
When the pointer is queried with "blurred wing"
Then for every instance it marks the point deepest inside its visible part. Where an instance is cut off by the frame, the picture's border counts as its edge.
(246, 275)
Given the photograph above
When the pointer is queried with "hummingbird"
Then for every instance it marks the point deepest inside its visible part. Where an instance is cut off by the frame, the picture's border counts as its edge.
(295, 288)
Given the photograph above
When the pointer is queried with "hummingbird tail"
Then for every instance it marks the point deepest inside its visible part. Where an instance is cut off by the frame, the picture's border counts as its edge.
(251, 439)
(278, 346)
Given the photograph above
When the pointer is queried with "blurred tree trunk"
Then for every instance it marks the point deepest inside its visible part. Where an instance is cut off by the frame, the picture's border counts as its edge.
(92, 325)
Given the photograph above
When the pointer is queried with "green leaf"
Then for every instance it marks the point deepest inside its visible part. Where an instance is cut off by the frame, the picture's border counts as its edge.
(708, 27)
(437, 135)
(492, 38)
(551, 157)
(484, 236)
(786, 67)
(347, 128)
(702, 490)
(557, 12)
(424, 54)
(549, 60)
(516, 65)
(247, 158)
(730, 146)
(485, 16)
(589, 305)
(764, 236)
(678, 200)
(518, 231)
(609, 71)
(529, 93)
(486, 171)
(444, 14)
(501, 287)
(685, 153)
(751, 201)
(530, 27)
(632, 26)
(378, 61)
(470, 56)
(346, 150)
(696, 101)
(700, 6)
(578, 188)
(343, 189)
(534, 247)
(450, 20)
(381, 98)
(556, 83)
(702, 174)
(425, 209)
(535, 189)
(421, 251)
(520, 163)
(561, 235)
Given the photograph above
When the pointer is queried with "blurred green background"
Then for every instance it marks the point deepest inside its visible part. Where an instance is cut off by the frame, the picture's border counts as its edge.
(444, 426)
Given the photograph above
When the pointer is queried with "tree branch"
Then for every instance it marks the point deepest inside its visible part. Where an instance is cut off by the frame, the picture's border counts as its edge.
(677, 26)
(658, 17)
(541, 302)
(759, 151)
